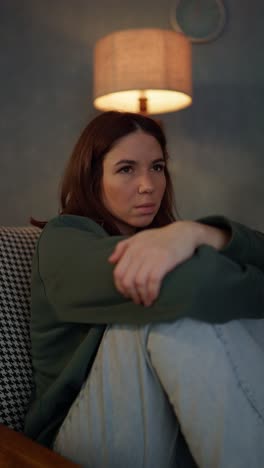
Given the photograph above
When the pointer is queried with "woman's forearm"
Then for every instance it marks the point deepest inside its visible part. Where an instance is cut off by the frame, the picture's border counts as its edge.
(209, 235)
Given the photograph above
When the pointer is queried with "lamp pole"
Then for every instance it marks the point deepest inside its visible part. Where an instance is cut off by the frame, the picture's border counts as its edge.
(143, 105)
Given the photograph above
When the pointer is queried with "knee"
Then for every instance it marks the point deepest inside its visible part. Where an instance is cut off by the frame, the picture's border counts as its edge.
(186, 338)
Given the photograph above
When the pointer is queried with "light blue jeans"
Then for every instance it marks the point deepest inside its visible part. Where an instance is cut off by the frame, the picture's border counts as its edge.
(146, 381)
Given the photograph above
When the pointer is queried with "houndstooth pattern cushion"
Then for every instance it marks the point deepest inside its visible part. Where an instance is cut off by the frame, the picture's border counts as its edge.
(16, 249)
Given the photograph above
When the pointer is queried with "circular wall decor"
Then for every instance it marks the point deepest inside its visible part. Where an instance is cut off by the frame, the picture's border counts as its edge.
(200, 20)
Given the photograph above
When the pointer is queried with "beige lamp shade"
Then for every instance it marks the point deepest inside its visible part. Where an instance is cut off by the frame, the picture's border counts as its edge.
(147, 70)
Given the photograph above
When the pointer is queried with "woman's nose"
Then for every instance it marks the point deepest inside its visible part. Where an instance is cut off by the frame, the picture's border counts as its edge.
(145, 184)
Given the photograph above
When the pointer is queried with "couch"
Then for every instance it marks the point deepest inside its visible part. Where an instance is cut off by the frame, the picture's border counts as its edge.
(16, 450)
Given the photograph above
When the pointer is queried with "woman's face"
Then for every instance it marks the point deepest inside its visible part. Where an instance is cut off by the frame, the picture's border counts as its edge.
(133, 181)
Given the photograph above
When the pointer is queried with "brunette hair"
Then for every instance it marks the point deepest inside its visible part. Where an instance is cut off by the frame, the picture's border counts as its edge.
(80, 192)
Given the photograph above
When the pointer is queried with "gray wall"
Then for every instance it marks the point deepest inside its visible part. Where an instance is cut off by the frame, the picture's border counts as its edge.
(216, 145)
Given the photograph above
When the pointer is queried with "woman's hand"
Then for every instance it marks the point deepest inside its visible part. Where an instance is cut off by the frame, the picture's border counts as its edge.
(143, 260)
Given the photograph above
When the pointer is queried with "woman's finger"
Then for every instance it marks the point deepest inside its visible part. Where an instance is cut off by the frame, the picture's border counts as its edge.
(125, 275)
(153, 287)
(142, 280)
(118, 251)
(148, 281)
(129, 290)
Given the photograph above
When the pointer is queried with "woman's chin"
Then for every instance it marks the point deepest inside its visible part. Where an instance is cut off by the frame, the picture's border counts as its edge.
(144, 221)
(130, 226)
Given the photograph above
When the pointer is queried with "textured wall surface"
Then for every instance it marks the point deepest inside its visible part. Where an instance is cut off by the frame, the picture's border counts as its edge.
(216, 145)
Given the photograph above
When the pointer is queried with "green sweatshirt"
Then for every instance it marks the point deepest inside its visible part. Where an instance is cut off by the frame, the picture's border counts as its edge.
(74, 297)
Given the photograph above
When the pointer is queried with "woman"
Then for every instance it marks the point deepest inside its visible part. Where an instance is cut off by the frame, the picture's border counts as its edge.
(129, 340)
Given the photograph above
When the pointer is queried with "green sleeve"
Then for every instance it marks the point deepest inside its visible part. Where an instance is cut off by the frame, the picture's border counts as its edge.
(78, 282)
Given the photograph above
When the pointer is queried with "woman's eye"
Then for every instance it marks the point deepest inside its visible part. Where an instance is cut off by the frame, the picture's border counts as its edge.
(125, 169)
(158, 167)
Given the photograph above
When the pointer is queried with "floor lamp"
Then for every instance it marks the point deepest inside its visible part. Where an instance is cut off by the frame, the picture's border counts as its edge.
(143, 70)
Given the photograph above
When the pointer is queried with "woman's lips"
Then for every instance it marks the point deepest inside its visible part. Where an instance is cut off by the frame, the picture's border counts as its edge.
(148, 208)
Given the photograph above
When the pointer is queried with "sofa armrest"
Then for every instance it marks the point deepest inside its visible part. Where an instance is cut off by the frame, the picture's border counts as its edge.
(18, 450)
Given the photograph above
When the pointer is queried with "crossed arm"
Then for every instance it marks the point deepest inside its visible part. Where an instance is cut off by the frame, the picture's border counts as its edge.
(143, 260)
(217, 283)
